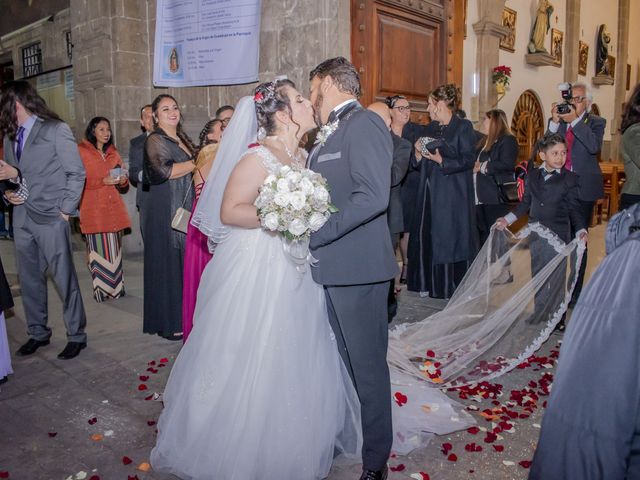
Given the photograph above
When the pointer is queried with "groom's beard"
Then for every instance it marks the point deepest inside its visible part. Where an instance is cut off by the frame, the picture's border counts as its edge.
(317, 106)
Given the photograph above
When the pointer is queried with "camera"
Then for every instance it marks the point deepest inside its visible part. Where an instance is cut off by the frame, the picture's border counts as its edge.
(565, 107)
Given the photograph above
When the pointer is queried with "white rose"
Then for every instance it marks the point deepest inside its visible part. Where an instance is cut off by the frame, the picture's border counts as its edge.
(281, 199)
(270, 221)
(297, 200)
(297, 227)
(284, 170)
(306, 186)
(316, 221)
(294, 177)
(321, 194)
(283, 185)
(270, 179)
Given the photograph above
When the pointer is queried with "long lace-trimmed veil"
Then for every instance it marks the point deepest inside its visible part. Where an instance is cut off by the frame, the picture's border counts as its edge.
(500, 314)
(239, 134)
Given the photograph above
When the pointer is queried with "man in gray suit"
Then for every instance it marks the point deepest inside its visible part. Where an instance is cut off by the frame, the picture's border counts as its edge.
(355, 258)
(583, 132)
(136, 154)
(40, 148)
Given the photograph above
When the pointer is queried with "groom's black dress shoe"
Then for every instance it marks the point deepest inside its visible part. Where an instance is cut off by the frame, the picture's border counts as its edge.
(31, 346)
(375, 475)
(71, 350)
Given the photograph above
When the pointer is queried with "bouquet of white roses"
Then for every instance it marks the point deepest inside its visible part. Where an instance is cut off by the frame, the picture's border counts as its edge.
(295, 202)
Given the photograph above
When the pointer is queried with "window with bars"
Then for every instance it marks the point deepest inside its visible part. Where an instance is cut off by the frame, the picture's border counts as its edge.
(32, 59)
(67, 36)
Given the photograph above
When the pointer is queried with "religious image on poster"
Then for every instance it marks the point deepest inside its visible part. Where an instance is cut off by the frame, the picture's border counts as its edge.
(206, 42)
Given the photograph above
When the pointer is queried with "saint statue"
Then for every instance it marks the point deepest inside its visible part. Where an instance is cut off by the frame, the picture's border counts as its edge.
(541, 27)
(602, 52)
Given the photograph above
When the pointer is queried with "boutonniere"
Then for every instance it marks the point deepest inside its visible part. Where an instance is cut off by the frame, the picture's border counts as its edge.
(326, 131)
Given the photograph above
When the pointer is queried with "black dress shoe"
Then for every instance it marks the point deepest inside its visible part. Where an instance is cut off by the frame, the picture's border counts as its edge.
(71, 350)
(375, 475)
(4, 379)
(31, 346)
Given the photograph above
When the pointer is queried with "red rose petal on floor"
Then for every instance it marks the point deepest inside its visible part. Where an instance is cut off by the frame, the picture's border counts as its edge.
(162, 365)
(151, 423)
(498, 448)
(452, 457)
(4, 474)
(152, 362)
(149, 397)
(397, 468)
(143, 378)
(431, 354)
(51, 434)
(142, 387)
(92, 421)
(400, 398)
(525, 463)
(473, 430)
(164, 360)
(134, 477)
(490, 438)
(446, 448)
(94, 477)
(126, 460)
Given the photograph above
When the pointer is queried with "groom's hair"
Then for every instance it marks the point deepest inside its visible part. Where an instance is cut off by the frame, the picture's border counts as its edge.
(343, 74)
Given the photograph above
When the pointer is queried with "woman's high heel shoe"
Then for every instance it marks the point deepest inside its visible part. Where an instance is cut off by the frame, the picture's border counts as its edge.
(403, 274)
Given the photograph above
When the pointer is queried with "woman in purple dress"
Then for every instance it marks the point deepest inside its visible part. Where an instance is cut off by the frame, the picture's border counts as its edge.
(196, 253)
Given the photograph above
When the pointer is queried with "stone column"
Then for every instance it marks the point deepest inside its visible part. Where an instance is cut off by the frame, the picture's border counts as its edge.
(489, 31)
(622, 56)
(572, 41)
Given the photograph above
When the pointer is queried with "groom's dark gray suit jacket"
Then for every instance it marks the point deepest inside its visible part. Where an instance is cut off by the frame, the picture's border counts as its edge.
(354, 246)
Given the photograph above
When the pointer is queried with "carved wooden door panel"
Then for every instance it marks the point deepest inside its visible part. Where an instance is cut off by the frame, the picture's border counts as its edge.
(527, 123)
(406, 47)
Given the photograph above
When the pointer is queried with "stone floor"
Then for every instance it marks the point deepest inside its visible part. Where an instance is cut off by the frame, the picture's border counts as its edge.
(93, 417)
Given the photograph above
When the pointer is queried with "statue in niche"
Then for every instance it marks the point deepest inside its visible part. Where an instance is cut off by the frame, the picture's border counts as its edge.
(541, 27)
(603, 68)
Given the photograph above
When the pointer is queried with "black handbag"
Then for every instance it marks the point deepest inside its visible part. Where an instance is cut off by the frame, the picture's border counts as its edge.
(507, 187)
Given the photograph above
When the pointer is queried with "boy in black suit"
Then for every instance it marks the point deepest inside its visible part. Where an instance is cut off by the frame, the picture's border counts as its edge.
(551, 198)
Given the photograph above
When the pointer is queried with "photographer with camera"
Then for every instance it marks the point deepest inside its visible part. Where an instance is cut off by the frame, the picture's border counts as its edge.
(583, 132)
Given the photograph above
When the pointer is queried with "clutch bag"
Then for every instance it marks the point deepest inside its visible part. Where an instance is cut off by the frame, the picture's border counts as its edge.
(180, 221)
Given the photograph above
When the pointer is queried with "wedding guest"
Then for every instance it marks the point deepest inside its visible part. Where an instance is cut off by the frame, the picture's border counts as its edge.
(196, 252)
(402, 126)
(167, 168)
(6, 302)
(44, 148)
(550, 198)
(442, 244)
(103, 215)
(401, 157)
(494, 166)
(224, 114)
(136, 152)
(630, 129)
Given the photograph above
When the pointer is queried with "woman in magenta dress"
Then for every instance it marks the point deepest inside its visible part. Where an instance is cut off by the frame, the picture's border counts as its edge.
(196, 253)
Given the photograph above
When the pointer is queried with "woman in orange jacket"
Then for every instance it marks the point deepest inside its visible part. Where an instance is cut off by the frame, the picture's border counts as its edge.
(103, 215)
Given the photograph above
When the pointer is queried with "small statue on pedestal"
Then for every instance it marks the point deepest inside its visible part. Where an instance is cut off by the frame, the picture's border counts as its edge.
(541, 27)
(603, 68)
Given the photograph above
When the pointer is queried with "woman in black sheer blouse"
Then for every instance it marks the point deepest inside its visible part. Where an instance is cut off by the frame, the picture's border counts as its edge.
(167, 167)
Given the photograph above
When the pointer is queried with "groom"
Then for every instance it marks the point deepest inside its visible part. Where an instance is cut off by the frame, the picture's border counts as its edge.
(355, 259)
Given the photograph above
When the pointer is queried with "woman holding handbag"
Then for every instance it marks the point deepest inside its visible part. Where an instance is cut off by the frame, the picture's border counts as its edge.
(167, 168)
(494, 172)
(103, 216)
(196, 254)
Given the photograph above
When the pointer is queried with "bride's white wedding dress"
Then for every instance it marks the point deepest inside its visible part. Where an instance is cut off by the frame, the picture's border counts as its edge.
(259, 390)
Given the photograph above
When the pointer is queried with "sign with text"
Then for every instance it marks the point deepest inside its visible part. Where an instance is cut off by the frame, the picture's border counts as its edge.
(206, 42)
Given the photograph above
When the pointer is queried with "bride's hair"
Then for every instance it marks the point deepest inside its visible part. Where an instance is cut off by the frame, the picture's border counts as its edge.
(270, 98)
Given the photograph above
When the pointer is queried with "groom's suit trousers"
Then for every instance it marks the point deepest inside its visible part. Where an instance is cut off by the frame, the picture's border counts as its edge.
(358, 316)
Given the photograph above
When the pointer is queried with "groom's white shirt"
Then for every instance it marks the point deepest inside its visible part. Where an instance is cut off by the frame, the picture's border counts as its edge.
(343, 104)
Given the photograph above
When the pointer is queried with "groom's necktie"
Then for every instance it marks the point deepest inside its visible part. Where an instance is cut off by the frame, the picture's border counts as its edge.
(19, 143)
